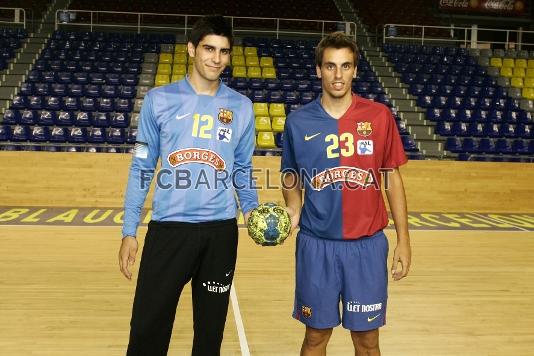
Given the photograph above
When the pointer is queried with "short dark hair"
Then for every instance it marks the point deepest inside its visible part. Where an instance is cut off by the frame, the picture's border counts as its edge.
(336, 40)
(210, 25)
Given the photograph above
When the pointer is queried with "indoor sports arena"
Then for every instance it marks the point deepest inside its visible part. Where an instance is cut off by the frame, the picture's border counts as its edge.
(95, 93)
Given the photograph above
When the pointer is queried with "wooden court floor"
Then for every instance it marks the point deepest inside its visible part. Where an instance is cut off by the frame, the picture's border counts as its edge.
(469, 293)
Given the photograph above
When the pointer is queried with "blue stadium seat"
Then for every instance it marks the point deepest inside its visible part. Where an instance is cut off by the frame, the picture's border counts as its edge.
(502, 145)
(119, 120)
(28, 117)
(307, 97)
(460, 129)
(408, 143)
(39, 134)
(5, 133)
(101, 119)
(58, 89)
(476, 129)
(19, 102)
(88, 104)
(71, 103)
(115, 136)
(46, 118)
(486, 145)
(132, 136)
(83, 119)
(469, 145)
(127, 92)
(64, 118)
(520, 146)
(453, 144)
(96, 135)
(443, 128)
(77, 135)
(20, 133)
(11, 117)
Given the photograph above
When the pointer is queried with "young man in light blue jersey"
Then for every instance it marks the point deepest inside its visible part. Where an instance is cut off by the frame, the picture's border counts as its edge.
(203, 132)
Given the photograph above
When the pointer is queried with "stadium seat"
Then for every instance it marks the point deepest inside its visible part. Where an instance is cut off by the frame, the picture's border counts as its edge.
(95, 135)
(516, 82)
(252, 61)
(265, 140)
(508, 62)
(119, 119)
(261, 109)
(77, 135)
(268, 73)
(528, 82)
(5, 133)
(263, 123)
(165, 58)
(277, 109)
(28, 117)
(239, 72)
(237, 50)
(58, 134)
(238, 61)
(519, 72)
(266, 62)
(278, 123)
(180, 58)
(496, 62)
(180, 48)
(253, 72)
(250, 51)
(162, 79)
(20, 133)
(528, 93)
(507, 72)
(164, 69)
(115, 136)
(521, 63)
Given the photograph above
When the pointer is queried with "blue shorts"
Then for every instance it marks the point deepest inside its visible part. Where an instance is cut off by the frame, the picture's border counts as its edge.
(351, 271)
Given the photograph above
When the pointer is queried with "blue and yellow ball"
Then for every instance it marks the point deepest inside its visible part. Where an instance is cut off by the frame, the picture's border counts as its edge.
(269, 224)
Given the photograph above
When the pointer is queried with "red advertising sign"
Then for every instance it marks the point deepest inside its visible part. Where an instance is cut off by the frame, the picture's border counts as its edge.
(501, 7)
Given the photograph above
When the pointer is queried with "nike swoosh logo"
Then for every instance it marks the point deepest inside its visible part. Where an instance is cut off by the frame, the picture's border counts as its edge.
(307, 138)
(227, 274)
(373, 318)
(180, 117)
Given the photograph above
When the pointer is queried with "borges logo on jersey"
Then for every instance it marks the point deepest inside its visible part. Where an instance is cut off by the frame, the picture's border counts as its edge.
(364, 128)
(225, 116)
(197, 155)
(341, 174)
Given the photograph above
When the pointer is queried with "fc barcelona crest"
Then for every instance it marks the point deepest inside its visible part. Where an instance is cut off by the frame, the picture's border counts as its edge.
(364, 129)
(225, 116)
(306, 311)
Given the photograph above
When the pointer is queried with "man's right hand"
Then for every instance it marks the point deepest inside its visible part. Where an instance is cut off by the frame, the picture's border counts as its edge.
(294, 214)
(127, 254)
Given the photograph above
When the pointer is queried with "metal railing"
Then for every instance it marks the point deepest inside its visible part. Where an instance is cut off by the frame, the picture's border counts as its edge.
(462, 35)
(184, 22)
(19, 16)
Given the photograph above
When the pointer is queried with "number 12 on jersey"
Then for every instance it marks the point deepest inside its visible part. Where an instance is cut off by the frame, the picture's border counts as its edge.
(202, 125)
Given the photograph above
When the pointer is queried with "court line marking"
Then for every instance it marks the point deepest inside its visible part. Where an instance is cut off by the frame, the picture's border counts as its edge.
(239, 323)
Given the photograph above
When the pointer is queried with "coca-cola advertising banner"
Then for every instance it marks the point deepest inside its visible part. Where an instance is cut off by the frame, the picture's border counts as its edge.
(501, 7)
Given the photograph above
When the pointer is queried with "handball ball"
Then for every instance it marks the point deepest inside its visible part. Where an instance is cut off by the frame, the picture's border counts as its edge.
(269, 224)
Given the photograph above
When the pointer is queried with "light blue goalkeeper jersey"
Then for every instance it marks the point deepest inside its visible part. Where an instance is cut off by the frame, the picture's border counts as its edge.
(205, 144)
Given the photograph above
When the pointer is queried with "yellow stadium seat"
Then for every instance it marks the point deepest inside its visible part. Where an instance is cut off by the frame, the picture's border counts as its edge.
(164, 69)
(180, 48)
(190, 69)
(263, 123)
(165, 58)
(278, 123)
(277, 109)
(266, 140)
(528, 93)
(177, 77)
(516, 82)
(261, 109)
(508, 62)
(252, 61)
(530, 73)
(253, 72)
(162, 79)
(530, 63)
(238, 61)
(237, 51)
(528, 82)
(266, 62)
(180, 58)
(519, 72)
(507, 72)
(179, 69)
(268, 73)
(250, 51)
(496, 62)
(520, 63)
(239, 72)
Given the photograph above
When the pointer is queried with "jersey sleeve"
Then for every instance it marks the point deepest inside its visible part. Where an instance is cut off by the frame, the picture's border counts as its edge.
(144, 160)
(394, 155)
(243, 182)
(289, 163)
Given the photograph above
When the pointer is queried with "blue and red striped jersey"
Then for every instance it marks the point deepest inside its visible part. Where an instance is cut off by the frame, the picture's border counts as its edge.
(340, 162)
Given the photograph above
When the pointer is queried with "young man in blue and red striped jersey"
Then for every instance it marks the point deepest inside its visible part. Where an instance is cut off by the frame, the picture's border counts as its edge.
(203, 132)
(336, 148)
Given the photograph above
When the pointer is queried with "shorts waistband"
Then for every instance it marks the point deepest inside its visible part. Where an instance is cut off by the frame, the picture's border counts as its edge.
(183, 224)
